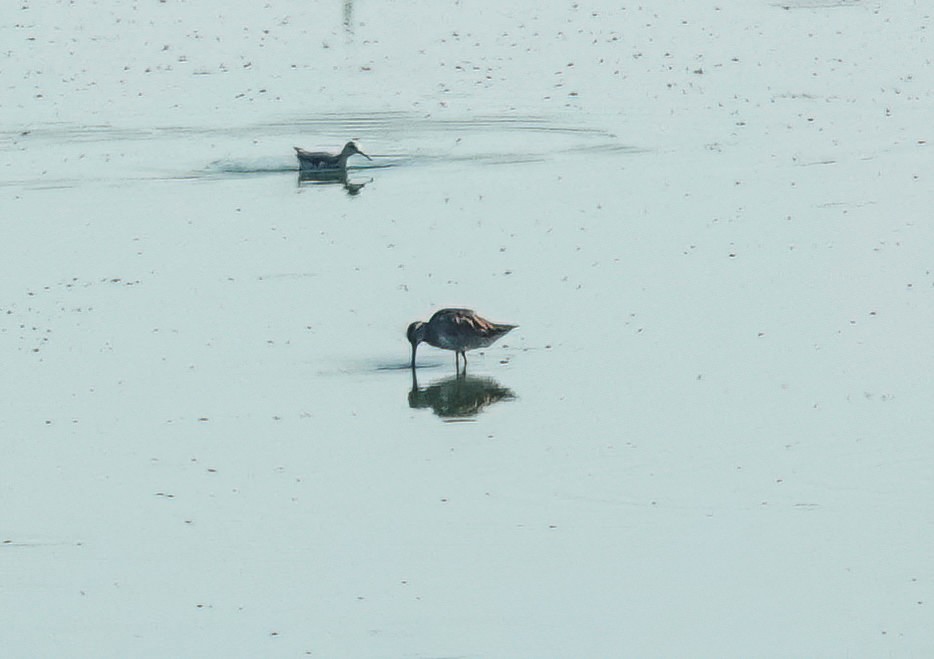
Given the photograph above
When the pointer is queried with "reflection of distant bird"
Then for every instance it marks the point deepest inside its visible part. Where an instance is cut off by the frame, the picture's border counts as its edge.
(460, 396)
(317, 160)
(328, 177)
(459, 330)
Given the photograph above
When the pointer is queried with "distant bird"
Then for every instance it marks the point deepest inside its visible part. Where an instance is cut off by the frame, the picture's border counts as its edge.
(459, 330)
(319, 160)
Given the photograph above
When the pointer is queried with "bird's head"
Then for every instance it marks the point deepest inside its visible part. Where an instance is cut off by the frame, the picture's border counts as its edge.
(415, 334)
(350, 148)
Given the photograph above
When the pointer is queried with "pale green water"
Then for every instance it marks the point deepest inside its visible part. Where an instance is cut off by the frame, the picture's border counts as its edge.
(713, 418)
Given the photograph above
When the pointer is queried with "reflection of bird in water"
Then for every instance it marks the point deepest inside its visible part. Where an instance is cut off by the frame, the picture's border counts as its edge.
(331, 176)
(459, 330)
(460, 396)
(319, 160)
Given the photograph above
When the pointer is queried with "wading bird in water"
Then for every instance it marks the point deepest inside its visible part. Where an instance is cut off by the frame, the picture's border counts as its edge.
(459, 330)
(318, 160)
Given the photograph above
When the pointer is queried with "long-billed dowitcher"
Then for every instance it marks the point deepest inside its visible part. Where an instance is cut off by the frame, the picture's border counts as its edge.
(459, 330)
(318, 160)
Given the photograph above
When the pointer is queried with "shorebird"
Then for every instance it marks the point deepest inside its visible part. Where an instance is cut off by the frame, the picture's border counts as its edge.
(459, 330)
(318, 160)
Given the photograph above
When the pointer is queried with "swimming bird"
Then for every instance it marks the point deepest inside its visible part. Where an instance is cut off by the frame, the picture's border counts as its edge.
(459, 330)
(317, 160)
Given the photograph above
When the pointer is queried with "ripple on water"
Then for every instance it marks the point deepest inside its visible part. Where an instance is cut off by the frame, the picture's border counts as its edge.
(62, 154)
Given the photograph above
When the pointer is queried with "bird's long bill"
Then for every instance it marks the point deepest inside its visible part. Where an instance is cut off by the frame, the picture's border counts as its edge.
(364, 155)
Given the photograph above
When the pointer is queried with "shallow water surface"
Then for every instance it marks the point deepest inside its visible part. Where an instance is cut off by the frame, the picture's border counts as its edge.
(713, 416)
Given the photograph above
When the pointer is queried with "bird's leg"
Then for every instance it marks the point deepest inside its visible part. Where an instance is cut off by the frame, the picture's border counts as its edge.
(464, 355)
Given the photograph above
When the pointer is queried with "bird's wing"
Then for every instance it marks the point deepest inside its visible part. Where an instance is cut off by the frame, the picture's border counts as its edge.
(477, 324)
